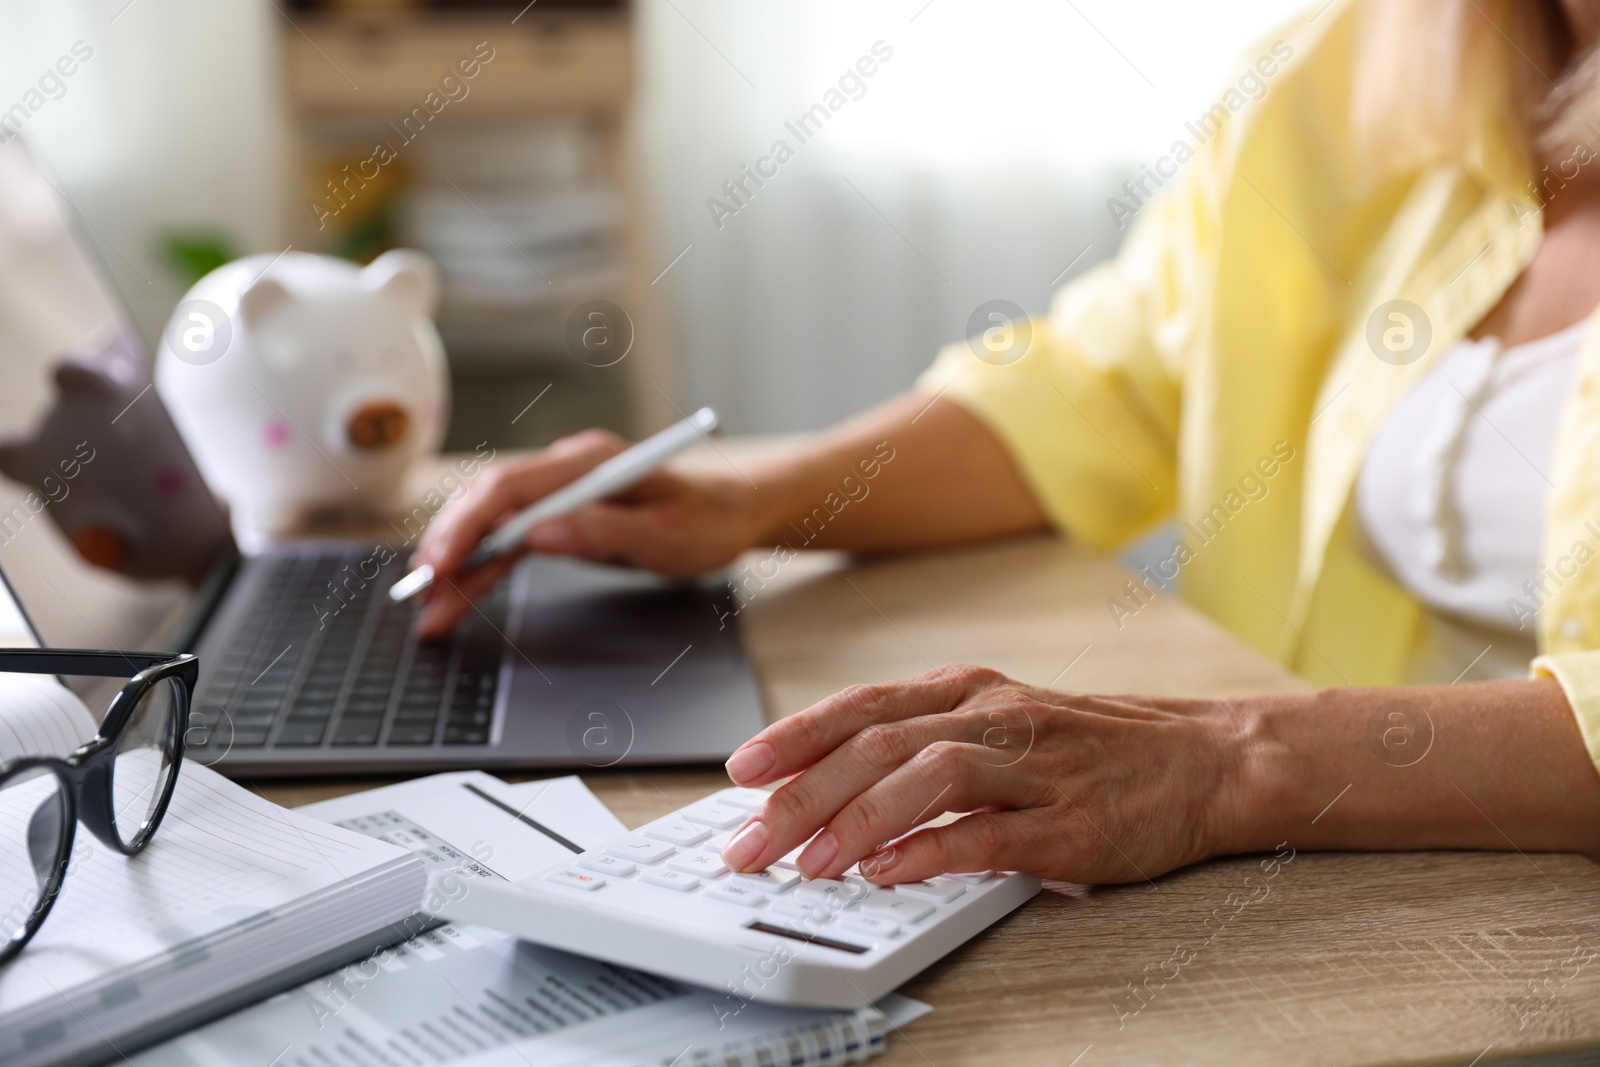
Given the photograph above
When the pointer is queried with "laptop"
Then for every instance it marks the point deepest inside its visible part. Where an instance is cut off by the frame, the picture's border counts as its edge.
(109, 537)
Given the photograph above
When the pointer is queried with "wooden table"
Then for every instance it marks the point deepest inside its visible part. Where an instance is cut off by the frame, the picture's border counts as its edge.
(1332, 959)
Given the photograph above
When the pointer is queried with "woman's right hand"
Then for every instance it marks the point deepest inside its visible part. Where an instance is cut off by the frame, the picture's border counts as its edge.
(673, 523)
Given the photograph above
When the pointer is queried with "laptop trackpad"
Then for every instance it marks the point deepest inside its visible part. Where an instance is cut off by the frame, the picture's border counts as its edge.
(611, 665)
(570, 614)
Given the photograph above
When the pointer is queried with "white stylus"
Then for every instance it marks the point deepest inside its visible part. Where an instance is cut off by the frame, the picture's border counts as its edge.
(611, 477)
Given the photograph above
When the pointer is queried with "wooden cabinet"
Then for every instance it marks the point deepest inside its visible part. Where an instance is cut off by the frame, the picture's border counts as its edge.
(501, 129)
(347, 66)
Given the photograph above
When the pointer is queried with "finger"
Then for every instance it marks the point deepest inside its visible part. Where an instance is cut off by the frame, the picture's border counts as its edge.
(659, 485)
(798, 810)
(598, 532)
(605, 532)
(493, 501)
(794, 743)
(452, 536)
(801, 807)
(946, 776)
(989, 841)
(449, 601)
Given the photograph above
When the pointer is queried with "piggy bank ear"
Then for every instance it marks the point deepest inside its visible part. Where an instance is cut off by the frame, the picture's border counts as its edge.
(264, 294)
(409, 276)
(77, 377)
(14, 455)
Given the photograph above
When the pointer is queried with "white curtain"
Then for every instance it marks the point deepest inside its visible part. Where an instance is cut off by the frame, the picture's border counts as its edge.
(975, 165)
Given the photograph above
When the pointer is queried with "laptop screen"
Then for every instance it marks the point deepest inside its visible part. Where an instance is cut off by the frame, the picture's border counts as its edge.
(106, 529)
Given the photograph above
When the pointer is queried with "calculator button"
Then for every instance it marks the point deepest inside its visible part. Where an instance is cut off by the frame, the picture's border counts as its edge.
(938, 890)
(721, 816)
(895, 906)
(704, 864)
(670, 880)
(972, 877)
(575, 879)
(869, 924)
(595, 861)
(719, 842)
(771, 880)
(733, 893)
(641, 849)
(810, 910)
(748, 799)
(678, 831)
(790, 860)
(835, 894)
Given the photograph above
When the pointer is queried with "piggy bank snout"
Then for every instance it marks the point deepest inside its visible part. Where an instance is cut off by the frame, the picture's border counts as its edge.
(376, 424)
(102, 544)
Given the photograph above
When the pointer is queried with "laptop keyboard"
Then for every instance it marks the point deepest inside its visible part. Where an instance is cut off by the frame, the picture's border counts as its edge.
(322, 659)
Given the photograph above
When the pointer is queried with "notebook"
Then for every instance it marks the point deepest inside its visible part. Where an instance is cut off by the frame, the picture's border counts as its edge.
(466, 996)
(234, 899)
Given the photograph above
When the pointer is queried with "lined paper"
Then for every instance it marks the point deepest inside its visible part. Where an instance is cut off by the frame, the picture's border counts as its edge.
(224, 857)
(41, 717)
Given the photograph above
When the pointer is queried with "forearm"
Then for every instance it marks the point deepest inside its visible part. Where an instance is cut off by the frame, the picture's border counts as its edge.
(1492, 765)
(912, 472)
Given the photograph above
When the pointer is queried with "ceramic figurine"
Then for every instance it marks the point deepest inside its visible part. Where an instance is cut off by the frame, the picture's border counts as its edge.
(143, 511)
(306, 384)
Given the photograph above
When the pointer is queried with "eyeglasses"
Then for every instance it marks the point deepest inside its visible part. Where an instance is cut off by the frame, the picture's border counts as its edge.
(119, 784)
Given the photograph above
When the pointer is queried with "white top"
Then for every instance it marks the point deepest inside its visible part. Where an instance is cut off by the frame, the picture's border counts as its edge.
(1452, 493)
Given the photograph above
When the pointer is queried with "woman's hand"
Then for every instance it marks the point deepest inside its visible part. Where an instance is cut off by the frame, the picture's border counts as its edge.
(1070, 786)
(672, 523)
(913, 472)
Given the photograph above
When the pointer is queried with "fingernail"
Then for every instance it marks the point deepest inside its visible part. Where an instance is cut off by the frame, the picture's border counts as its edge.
(878, 862)
(819, 853)
(751, 762)
(746, 845)
(552, 536)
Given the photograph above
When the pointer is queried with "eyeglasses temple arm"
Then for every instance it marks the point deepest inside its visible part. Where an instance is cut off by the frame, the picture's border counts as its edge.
(82, 662)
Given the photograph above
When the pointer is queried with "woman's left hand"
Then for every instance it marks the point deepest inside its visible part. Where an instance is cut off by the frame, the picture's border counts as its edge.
(1069, 786)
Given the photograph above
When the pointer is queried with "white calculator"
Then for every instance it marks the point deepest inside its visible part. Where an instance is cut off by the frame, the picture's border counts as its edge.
(660, 899)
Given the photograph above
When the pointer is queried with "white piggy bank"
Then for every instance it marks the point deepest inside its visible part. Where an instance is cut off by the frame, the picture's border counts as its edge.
(306, 384)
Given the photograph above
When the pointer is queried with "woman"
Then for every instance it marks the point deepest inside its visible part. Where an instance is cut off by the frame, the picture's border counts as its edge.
(1344, 346)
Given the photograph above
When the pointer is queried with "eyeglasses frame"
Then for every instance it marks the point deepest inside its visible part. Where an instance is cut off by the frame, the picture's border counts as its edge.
(85, 773)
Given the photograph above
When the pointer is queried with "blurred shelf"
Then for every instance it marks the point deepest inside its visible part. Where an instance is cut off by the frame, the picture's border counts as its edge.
(530, 406)
(384, 66)
(495, 338)
(511, 251)
(515, 173)
(507, 7)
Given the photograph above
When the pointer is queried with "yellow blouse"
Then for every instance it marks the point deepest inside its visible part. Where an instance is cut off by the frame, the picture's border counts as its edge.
(1231, 365)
